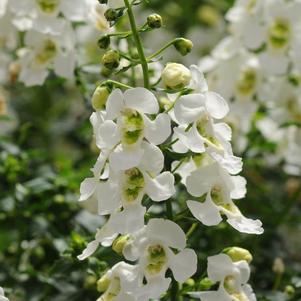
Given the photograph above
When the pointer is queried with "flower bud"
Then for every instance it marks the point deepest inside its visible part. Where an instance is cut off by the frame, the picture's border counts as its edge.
(103, 283)
(290, 290)
(238, 254)
(176, 76)
(111, 15)
(205, 284)
(278, 266)
(111, 59)
(208, 15)
(184, 46)
(154, 21)
(104, 42)
(100, 97)
(119, 243)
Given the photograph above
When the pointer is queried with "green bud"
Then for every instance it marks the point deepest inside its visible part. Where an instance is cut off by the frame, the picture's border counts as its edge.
(111, 14)
(104, 42)
(100, 97)
(90, 282)
(205, 284)
(184, 46)
(119, 244)
(190, 282)
(154, 21)
(290, 290)
(103, 283)
(238, 254)
(105, 72)
(111, 59)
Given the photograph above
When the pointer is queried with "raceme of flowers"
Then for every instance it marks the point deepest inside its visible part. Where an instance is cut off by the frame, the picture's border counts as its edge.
(258, 66)
(132, 132)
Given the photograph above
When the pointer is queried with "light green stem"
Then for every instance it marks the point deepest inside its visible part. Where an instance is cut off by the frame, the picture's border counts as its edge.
(138, 43)
(161, 50)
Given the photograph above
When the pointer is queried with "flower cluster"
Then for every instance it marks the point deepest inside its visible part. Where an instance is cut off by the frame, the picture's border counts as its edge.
(148, 137)
(52, 31)
(258, 67)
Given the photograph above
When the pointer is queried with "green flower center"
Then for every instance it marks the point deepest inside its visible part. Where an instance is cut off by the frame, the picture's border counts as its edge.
(251, 5)
(132, 126)
(229, 284)
(247, 82)
(217, 195)
(48, 6)
(113, 290)
(133, 184)
(279, 33)
(47, 53)
(156, 259)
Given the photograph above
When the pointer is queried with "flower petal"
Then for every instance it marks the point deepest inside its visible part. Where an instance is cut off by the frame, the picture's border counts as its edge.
(160, 188)
(207, 212)
(189, 107)
(114, 104)
(125, 158)
(246, 225)
(89, 250)
(183, 264)
(216, 105)
(168, 232)
(141, 100)
(190, 139)
(219, 266)
(158, 130)
(152, 160)
(87, 188)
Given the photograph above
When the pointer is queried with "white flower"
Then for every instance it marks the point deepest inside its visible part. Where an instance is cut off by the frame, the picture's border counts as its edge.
(215, 189)
(132, 126)
(232, 278)
(195, 113)
(119, 283)
(152, 248)
(32, 13)
(96, 15)
(127, 188)
(44, 51)
(2, 297)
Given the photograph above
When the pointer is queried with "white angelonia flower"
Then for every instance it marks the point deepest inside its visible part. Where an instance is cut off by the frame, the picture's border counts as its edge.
(2, 297)
(232, 278)
(96, 15)
(152, 247)
(127, 125)
(44, 51)
(215, 189)
(127, 188)
(195, 114)
(45, 12)
(119, 283)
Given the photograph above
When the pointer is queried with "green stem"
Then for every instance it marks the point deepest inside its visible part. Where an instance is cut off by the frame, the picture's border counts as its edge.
(161, 50)
(117, 84)
(138, 43)
(191, 230)
(277, 281)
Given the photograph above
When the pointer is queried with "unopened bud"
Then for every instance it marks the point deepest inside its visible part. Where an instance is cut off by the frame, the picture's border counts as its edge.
(208, 15)
(278, 266)
(190, 282)
(184, 46)
(111, 14)
(290, 290)
(205, 284)
(100, 97)
(154, 21)
(238, 254)
(103, 283)
(176, 76)
(119, 244)
(104, 42)
(111, 59)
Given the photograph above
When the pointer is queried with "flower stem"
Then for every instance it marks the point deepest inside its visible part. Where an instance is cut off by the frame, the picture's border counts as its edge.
(161, 50)
(115, 83)
(138, 44)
